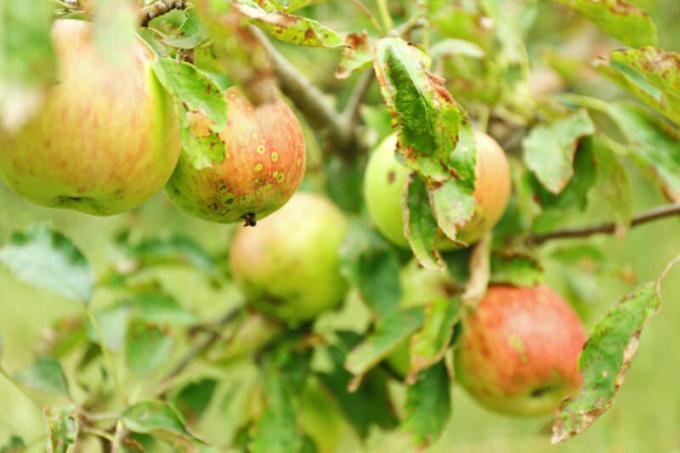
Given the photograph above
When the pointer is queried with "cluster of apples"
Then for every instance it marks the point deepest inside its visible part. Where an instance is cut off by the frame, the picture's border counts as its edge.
(107, 139)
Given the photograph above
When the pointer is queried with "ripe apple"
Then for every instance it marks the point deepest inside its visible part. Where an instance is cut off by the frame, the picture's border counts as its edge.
(519, 351)
(106, 139)
(243, 170)
(386, 178)
(288, 265)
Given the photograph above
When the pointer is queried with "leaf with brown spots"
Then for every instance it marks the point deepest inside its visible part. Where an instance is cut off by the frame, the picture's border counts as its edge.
(288, 28)
(605, 359)
(357, 56)
(618, 18)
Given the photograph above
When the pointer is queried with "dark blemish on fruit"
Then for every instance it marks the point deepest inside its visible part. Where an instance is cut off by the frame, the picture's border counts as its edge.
(391, 176)
(249, 219)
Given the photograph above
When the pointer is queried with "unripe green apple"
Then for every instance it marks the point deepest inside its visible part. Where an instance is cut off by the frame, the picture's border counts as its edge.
(247, 170)
(288, 265)
(386, 178)
(106, 138)
(519, 351)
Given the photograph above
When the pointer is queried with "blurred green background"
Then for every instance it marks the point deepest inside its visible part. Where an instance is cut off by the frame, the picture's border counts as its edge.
(645, 417)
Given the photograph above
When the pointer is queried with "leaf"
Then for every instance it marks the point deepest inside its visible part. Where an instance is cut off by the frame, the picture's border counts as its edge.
(614, 185)
(388, 334)
(47, 259)
(27, 60)
(194, 398)
(452, 47)
(516, 268)
(367, 406)
(650, 74)
(288, 5)
(190, 34)
(45, 375)
(430, 343)
(427, 116)
(62, 429)
(288, 28)
(618, 18)
(605, 360)
(146, 347)
(357, 56)
(549, 149)
(15, 444)
(420, 225)
(193, 90)
(428, 405)
(650, 146)
(276, 430)
(155, 417)
(159, 308)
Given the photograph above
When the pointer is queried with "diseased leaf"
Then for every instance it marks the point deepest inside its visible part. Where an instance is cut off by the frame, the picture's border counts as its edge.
(62, 429)
(650, 74)
(428, 405)
(45, 375)
(549, 149)
(288, 28)
(614, 185)
(357, 56)
(430, 343)
(420, 226)
(155, 417)
(146, 347)
(27, 59)
(618, 18)
(388, 334)
(47, 259)
(516, 268)
(605, 360)
(650, 146)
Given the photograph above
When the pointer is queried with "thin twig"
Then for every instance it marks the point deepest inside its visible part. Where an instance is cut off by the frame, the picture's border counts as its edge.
(657, 213)
(351, 112)
(157, 9)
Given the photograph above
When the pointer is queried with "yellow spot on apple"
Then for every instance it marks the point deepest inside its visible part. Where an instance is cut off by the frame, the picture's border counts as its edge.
(258, 167)
(275, 156)
(280, 177)
(298, 162)
(260, 149)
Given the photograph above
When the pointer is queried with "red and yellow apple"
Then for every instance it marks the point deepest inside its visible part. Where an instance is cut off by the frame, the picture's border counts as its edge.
(242, 170)
(519, 351)
(106, 138)
(386, 178)
(289, 265)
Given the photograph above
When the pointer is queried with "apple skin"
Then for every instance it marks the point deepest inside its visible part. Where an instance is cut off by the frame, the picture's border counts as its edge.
(106, 138)
(519, 351)
(289, 265)
(386, 178)
(247, 170)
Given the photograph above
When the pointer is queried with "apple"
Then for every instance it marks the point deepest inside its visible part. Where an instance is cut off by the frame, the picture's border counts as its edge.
(419, 287)
(288, 265)
(519, 351)
(106, 138)
(386, 178)
(244, 169)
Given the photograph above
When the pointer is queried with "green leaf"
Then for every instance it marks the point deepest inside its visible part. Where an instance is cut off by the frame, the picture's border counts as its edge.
(605, 360)
(288, 5)
(388, 334)
(650, 146)
(650, 74)
(430, 343)
(453, 47)
(159, 308)
(276, 430)
(357, 56)
(421, 226)
(288, 28)
(62, 429)
(190, 34)
(45, 375)
(454, 205)
(27, 60)
(549, 149)
(379, 281)
(614, 185)
(146, 347)
(428, 405)
(516, 268)
(618, 18)
(193, 90)
(155, 417)
(15, 444)
(47, 259)
(194, 398)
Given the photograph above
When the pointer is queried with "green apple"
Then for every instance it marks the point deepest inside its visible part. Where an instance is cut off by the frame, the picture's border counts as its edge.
(106, 138)
(386, 178)
(245, 171)
(519, 351)
(289, 265)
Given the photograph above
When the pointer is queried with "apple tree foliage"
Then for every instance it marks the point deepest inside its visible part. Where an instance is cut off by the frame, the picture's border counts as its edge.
(141, 371)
